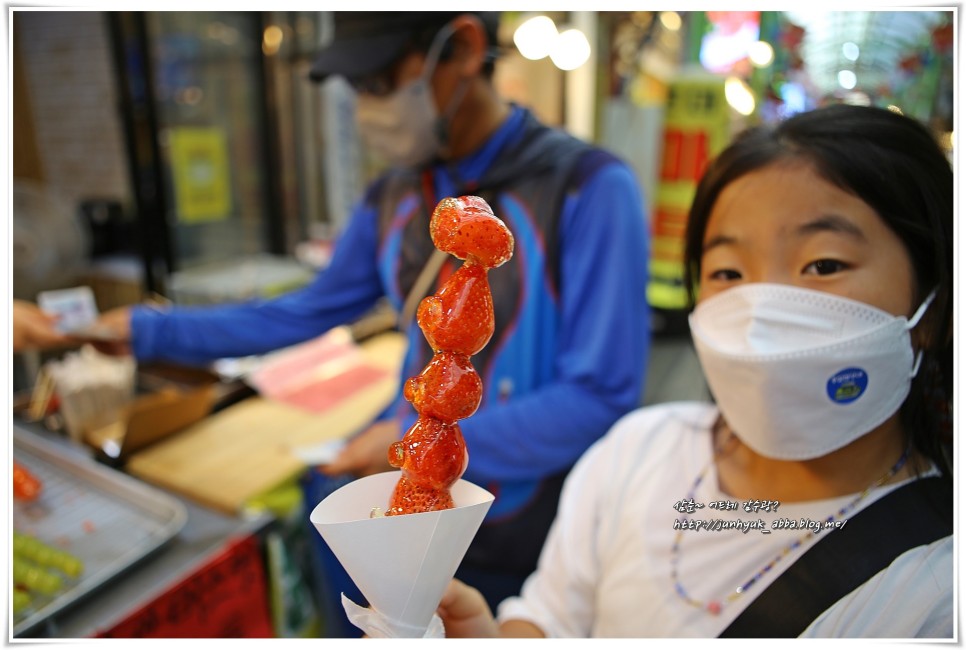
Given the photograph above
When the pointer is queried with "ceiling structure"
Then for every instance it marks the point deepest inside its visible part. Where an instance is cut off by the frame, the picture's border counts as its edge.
(883, 38)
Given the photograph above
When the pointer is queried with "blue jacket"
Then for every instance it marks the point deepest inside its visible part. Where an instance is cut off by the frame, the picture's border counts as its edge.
(570, 350)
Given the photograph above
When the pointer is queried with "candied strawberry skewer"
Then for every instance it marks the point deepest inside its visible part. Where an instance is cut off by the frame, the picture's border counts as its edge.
(26, 486)
(449, 376)
(459, 317)
(467, 229)
(458, 322)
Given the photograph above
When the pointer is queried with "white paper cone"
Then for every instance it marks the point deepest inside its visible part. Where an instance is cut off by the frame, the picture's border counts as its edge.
(401, 564)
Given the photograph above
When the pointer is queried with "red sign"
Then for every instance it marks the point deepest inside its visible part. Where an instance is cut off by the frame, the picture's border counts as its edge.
(226, 598)
(685, 155)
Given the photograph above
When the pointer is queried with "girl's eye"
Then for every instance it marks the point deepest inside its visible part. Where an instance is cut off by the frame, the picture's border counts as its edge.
(824, 267)
(724, 275)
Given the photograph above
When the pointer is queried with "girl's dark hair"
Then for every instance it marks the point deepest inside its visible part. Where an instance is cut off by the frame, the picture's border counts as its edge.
(895, 165)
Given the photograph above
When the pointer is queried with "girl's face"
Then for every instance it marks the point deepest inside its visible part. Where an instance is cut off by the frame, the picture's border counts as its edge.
(784, 224)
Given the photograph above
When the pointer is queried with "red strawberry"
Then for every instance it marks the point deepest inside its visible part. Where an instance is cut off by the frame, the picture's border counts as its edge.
(466, 228)
(447, 389)
(459, 317)
(408, 498)
(432, 456)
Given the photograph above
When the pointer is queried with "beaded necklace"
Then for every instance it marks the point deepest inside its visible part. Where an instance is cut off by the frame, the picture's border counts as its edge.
(715, 606)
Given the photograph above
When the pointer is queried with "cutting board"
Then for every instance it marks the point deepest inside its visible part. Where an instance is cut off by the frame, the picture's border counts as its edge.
(247, 449)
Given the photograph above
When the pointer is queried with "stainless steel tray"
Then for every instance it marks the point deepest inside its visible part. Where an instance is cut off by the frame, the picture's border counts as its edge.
(105, 518)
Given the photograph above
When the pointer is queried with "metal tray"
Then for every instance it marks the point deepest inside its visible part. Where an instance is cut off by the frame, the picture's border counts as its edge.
(105, 518)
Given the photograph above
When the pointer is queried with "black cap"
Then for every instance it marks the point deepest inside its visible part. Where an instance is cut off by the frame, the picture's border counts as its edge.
(365, 42)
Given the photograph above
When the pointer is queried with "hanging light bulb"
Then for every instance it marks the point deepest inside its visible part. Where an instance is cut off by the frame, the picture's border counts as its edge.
(761, 54)
(272, 40)
(671, 20)
(739, 96)
(535, 37)
(570, 50)
(847, 79)
(850, 51)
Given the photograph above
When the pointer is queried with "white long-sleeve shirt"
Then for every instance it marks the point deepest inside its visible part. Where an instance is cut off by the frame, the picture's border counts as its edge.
(605, 570)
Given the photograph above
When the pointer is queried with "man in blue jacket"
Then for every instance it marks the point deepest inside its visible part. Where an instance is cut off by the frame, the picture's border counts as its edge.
(569, 352)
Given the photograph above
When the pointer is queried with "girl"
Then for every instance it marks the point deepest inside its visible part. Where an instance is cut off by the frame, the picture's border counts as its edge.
(821, 253)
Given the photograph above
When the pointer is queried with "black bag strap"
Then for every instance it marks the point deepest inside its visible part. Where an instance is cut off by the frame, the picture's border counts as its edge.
(913, 515)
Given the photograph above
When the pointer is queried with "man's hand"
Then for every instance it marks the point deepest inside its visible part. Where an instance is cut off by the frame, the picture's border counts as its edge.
(114, 332)
(35, 329)
(367, 453)
(465, 613)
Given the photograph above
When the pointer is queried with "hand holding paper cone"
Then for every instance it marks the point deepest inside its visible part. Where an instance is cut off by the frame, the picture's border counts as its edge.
(402, 565)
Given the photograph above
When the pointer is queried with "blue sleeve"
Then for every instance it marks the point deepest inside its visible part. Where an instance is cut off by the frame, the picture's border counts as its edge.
(345, 290)
(604, 342)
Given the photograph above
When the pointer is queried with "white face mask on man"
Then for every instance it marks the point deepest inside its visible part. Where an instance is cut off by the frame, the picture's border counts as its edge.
(405, 127)
(800, 373)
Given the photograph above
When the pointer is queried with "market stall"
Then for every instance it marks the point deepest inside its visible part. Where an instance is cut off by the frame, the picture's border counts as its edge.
(190, 535)
(138, 546)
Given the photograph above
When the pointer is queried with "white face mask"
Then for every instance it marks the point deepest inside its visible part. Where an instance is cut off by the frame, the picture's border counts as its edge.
(405, 127)
(800, 373)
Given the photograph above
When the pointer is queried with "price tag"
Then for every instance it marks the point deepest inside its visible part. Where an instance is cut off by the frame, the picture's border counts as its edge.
(75, 308)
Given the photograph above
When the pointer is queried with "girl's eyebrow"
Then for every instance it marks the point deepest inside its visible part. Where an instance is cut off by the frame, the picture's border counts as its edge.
(718, 240)
(824, 223)
(831, 223)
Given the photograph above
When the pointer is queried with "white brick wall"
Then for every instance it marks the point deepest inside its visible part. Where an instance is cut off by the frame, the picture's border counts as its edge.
(70, 77)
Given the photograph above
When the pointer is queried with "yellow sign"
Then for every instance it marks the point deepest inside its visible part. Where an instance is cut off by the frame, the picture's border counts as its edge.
(696, 128)
(199, 166)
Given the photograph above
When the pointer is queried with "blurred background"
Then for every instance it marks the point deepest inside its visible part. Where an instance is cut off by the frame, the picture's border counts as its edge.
(186, 157)
(186, 154)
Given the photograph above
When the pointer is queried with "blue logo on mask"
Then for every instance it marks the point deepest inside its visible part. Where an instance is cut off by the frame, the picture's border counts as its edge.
(847, 385)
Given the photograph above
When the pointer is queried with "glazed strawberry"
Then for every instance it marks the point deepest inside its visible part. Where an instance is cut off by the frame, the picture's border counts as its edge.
(466, 228)
(447, 389)
(26, 486)
(459, 317)
(432, 456)
(408, 498)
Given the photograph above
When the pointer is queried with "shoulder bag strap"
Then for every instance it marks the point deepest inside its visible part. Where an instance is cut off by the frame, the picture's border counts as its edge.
(913, 515)
(420, 288)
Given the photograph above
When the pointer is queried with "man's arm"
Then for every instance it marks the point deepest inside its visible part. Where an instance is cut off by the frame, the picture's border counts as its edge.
(342, 292)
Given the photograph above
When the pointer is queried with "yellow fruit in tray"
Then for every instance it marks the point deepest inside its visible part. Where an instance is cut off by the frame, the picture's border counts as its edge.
(21, 600)
(32, 549)
(35, 578)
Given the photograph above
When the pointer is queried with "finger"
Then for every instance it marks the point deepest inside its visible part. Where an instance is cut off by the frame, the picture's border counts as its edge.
(462, 601)
(450, 594)
(53, 340)
(378, 464)
(43, 338)
(111, 348)
(344, 463)
(330, 470)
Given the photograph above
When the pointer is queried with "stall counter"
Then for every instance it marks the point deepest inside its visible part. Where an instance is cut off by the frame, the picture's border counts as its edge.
(143, 600)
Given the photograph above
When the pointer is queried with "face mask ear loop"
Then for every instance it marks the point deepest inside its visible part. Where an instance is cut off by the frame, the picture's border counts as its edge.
(915, 366)
(454, 102)
(915, 321)
(922, 310)
(435, 49)
(432, 58)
